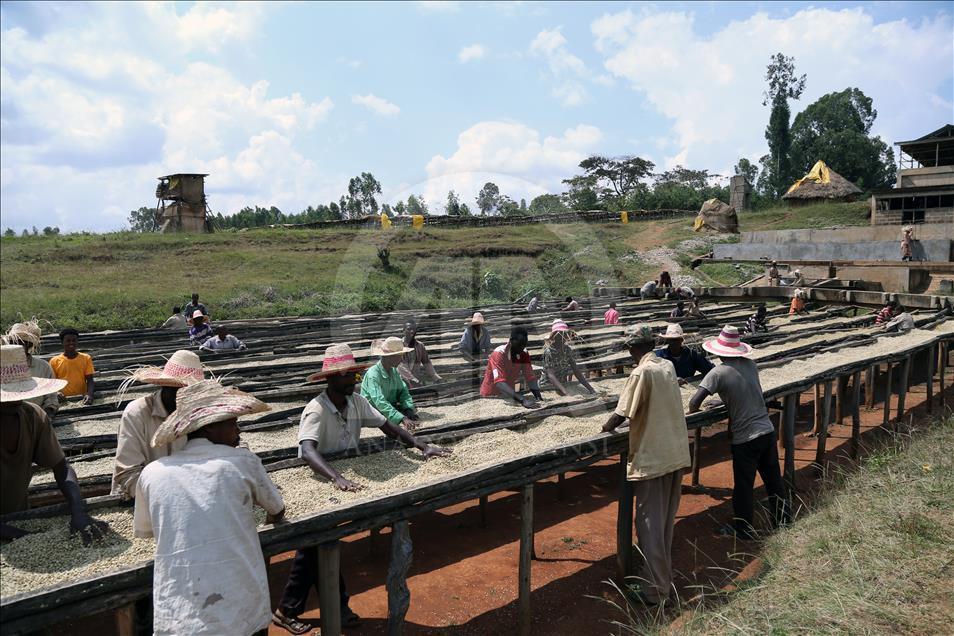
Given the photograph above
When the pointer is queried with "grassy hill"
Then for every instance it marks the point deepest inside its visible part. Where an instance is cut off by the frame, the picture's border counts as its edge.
(126, 280)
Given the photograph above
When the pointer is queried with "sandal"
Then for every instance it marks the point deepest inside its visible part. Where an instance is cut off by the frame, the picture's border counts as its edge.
(292, 624)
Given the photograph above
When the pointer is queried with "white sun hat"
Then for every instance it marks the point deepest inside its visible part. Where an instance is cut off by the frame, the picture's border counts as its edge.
(16, 383)
(673, 331)
(390, 346)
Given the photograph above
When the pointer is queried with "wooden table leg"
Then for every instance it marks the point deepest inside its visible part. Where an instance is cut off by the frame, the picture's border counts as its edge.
(842, 389)
(126, 620)
(526, 541)
(903, 387)
(329, 595)
(399, 596)
(855, 414)
(887, 395)
(788, 437)
(624, 525)
(931, 354)
(942, 367)
(870, 377)
(823, 429)
(482, 506)
(696, 440)
(561, 486)
(816, 422)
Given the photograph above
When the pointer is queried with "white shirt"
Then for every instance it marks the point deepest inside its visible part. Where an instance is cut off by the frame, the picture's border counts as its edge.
(209, 575)
(322, 422)
(134, 449)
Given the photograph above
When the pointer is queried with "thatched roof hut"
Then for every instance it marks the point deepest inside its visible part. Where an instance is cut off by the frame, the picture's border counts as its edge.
(821, 184)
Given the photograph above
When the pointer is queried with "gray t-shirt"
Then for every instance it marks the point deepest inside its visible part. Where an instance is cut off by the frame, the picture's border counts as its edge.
(736, 381)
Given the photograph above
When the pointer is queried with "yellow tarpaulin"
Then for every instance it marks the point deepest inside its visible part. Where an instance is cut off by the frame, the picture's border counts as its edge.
(624, 217)
(819, 174)
(385, 222)
(698, 224)
(417, 221)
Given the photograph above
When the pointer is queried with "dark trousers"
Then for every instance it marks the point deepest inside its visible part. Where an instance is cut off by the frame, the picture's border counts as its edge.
(759, 454)
(303, 577)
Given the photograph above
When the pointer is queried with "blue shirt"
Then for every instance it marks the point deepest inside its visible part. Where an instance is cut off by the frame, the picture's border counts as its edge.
(688, 363)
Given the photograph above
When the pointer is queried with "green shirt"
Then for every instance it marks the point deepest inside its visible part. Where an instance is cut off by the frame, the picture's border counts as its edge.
(386, 391)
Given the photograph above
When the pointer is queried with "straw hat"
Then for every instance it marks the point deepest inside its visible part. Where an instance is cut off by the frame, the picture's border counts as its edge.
(390, 346)
(203, 403)
(182, 369)
(560, 326)
(338, 358)
(16, 383)
(27, 332)
(476, 319)
(673, 332)
(198, 314)
(638, 334)
(728, 344)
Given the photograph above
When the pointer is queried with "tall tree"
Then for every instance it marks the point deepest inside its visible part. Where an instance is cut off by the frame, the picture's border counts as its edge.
(783, 85)
(546, 204)
(361, 194)
(612, 180)
(837, 129)
(416, 205)
(748, 170)
(452, 207)
(144, 220)
(488, 198)
(465, 210)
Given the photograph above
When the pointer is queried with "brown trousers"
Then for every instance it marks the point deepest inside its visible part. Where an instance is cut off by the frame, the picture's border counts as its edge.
(657, 501)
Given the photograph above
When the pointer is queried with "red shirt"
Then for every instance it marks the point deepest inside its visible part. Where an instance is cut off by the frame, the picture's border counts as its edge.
(500, 368)
(611, 317)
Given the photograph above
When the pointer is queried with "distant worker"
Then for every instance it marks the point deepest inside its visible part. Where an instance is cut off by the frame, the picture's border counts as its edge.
(902, 322)
(507, 364)
(648, 290)
(416, 367)
(74, 367)
(383, 386)
(798, 303)
(533, 305)
(29, 335)
(223, 341)
(694, 310)
(571, 305)
(906, 239)
(475, 341)
(889, 311)
(559, 360)
(758, 322)
(193, 306)
(773, 274)
(201, 329)
(665, 280)
(679, 310)
(658, 455)
(684, 292)
(611, 317)
(176, 321)
(795, 280)
(688, 362)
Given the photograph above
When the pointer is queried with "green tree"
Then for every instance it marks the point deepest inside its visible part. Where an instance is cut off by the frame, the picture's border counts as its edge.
(837, 129)
(546, 204)
(51, 231)
(465, 210)
(361, 194)
(507, 206)
(400, 208)
(452, 207)
(783, 85)
(748, 170)
(144, 220)
(611, 179)
(9, 232)
(488, 199)
(416, 205)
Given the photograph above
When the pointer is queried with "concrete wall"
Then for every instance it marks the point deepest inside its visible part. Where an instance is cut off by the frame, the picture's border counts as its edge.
(925, 250)
(860, 233)
(919, 177)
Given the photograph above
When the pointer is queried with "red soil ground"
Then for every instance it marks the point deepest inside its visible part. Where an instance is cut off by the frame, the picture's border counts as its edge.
(464, 576)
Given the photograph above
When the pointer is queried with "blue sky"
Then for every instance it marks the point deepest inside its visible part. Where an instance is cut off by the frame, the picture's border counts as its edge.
(282, 103)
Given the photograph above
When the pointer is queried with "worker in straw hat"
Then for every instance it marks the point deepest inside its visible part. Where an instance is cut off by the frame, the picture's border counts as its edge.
(201, 329)
(384, 387)
(143, 417)
(687, 362)
(332, 422)
(798, 302)
(26, 438)
(506, 365)
(658, 455)
(559, 360)
(475, 341)
(416, 367)
(736, 381)
(29, 335)
(209, 573)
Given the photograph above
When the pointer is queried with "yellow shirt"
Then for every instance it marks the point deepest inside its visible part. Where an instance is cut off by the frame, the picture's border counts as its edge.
(658, 438)
(73, 371)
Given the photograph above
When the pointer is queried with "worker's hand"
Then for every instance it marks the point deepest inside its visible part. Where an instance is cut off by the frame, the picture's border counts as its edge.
(435, 451)
(278, 518)
(90, 529)
(346, 484)
(411, 425)
(9, 533)
(87, 400)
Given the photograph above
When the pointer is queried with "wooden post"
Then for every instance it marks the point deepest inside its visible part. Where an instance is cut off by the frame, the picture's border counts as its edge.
(126, 620)
(903, 387)
(942, 367)
(482, 505)
(842, 387)
(624, 525)
(930, 378)
(870, 377)
(399, 596)
(823, 430)
(855, 414)
(373, 540)
(696, 440)
(561, 488)
(816, 422)
(887, 395)
(329, 596)
(526, 543)
(788, 437)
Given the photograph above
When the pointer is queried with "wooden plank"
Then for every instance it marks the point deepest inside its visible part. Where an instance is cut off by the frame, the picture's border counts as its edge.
(526, 544)
(870, 376)
(942, 368)
(816, 422)
(855, 414)
(126, 620)
(823, 430)
(788, 437)
(903, 387)
(624, 525)
(929, 386)
(329, 594)
(887, 395)
(840, 386)
(696, 441)
(399, 595)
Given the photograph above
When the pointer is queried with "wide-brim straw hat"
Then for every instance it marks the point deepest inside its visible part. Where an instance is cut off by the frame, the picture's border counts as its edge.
(27, 332)
(16, 383)
(198, 314)
(338, 359)
(560, 326)
(673, 332)
(181, 369)
(728, 344)
(204, 403)
(638, 334)
(390, 346)
(476, 319)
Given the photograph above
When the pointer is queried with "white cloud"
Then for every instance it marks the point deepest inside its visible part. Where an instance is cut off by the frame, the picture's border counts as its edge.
(472, 52)
(513, 156)
(710, 85)
(566, 70)
(439, 6)
(349, 62)
(376, 104)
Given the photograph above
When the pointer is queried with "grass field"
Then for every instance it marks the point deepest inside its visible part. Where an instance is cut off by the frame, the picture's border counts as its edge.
(126, 280)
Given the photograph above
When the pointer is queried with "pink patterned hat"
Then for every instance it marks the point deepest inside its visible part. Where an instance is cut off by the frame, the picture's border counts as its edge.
(338, 358)
(728, 344)
(182, 369)
(16, 382)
